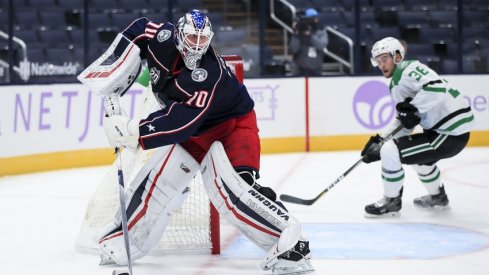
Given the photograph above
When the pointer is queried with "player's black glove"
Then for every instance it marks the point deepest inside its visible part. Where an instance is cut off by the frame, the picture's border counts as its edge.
(406, 114)
(371, 151)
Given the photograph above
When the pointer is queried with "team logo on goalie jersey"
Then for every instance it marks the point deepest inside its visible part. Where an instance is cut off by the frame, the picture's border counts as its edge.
(163, 35)
(199, 75)
(154, 74)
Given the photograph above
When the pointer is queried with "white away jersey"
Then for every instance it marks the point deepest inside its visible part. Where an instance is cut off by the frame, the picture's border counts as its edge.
(442, 108)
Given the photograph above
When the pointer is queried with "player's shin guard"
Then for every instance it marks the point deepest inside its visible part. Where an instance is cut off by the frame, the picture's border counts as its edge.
(160, 187)
(262, 220)
(392, 178)
(392, 171)
(429, 175)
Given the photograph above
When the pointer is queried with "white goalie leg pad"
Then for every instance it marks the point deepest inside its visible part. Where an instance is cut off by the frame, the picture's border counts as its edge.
(263, 221)
(115, 70)
(159, 188)
(254, 215)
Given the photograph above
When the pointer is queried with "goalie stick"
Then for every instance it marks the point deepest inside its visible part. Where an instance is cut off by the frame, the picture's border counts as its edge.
(296, 200)
(112, 107)
(122, 200)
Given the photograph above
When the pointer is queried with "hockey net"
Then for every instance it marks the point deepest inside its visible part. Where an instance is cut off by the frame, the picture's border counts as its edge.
(194, 227)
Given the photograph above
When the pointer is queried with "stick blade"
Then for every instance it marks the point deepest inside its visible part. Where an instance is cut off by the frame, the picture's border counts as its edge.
(296, 200)
(120, 272)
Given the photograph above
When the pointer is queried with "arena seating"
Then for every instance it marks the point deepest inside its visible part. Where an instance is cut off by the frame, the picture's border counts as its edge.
(53, 28)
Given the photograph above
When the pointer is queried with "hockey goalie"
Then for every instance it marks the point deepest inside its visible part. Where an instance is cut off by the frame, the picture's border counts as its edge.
(204, 120)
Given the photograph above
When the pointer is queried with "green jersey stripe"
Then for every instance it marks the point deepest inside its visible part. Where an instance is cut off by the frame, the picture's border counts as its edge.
(458, 123)
(434, 89)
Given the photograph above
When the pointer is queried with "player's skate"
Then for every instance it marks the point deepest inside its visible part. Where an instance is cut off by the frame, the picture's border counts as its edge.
(439, 201)
(384, 207)
(294, 261)
(106, 260)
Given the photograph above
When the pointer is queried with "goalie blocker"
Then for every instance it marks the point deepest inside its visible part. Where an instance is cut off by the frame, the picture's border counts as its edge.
(265, 222)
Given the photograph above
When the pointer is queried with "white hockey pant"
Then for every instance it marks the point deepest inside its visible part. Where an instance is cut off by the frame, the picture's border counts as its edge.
(264, 222)
(159, 188)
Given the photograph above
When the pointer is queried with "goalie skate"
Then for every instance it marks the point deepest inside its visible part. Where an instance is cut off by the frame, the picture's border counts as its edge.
(106, 260)
(294, 261)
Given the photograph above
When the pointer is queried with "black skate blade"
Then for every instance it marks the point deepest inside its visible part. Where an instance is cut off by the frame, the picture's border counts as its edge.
(435, 208)
(385, 215)
(120, 272)
(442, 208)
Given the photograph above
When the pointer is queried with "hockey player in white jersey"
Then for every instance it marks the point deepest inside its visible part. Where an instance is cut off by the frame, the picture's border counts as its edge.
(422, 97)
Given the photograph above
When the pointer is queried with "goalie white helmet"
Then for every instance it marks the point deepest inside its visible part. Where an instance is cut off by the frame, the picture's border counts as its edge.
(388, 45)
(194, 34)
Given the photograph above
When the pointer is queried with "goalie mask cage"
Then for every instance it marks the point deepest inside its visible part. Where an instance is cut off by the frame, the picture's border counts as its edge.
(194, 227)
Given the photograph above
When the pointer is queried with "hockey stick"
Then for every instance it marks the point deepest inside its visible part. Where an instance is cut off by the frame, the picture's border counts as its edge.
(112, 107)
(122, 200)
(296, 200)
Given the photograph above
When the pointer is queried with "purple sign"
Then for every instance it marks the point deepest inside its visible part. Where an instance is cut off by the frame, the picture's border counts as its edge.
(372, 105)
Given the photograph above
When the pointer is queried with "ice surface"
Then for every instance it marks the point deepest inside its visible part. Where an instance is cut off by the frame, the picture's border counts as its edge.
(42, 212)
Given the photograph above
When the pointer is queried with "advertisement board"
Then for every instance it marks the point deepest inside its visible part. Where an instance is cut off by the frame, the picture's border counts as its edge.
(46, 123)
(344, 111)
(51, 118)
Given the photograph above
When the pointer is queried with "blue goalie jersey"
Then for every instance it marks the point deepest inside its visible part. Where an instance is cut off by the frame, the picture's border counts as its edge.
(194, 100)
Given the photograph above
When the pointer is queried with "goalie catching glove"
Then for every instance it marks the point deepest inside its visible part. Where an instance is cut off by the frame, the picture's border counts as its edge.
(115, 70)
